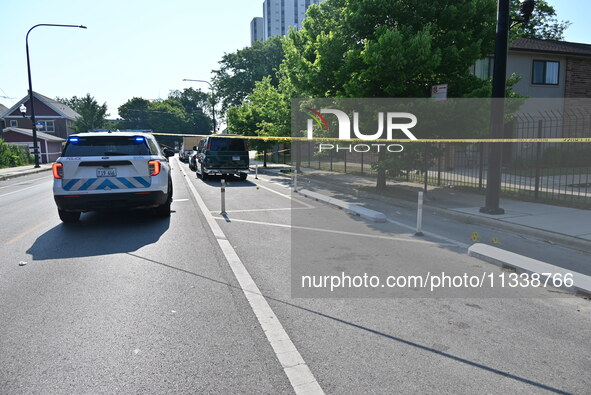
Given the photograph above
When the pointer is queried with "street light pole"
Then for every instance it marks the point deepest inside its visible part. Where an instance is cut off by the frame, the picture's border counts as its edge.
(34, 126)
(212, 99)
(493, 180)
(494, 175)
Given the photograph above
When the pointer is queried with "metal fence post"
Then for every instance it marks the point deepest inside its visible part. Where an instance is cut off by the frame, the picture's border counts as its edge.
(439, 165)
(481, 166)
(362, 162)
(538, 160)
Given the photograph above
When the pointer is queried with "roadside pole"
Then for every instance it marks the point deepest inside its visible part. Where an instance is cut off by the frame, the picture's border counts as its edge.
(420, 216)
(223, 183)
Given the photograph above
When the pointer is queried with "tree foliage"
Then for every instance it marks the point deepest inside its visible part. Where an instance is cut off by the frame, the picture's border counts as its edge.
(398, 48)
(12, 155)
(182, 112)
(543, 24)
(92, 114)
(239, 71)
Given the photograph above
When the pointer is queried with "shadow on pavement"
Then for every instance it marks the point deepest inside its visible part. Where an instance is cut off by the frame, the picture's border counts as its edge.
(100, 233)
(409, 343)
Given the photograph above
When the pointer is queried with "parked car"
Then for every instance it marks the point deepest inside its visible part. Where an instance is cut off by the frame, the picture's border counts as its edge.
(184, 153)
(222, 154)
(193, 159)
(112, 170)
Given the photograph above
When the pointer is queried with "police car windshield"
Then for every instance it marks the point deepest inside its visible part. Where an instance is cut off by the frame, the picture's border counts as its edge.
(106, 146)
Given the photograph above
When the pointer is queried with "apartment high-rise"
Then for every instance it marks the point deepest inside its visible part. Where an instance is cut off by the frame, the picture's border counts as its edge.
(280, 15)
(257, 29)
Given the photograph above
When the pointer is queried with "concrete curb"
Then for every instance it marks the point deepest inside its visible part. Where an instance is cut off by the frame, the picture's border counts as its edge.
(363, 212)
(23, 173)
(522, 264)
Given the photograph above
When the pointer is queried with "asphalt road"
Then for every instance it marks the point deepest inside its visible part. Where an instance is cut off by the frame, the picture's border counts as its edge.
(128, 303)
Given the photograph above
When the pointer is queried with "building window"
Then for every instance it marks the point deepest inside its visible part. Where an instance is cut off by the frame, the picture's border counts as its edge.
(46, 126)
(13, 123)
(545, 72)
(483, 68)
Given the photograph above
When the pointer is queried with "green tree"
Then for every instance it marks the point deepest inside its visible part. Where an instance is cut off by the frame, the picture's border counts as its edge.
(134, 114)
(265, 113)
(182, 112)
(543, 23)
(396, 48)
(92, 114)
(197, 107)
(239, 71)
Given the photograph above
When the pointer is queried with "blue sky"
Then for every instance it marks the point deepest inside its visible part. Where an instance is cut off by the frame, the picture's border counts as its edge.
(141, 48)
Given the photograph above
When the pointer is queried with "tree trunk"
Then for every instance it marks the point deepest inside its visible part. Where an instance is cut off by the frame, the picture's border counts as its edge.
(265, 158)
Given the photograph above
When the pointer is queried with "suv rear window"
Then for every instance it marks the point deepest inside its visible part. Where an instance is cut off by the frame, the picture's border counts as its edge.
(227, 144)
(107, 146)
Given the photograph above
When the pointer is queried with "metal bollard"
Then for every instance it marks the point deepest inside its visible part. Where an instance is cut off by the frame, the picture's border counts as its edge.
(295, 180)
(256, 172)
(223, 197)
(420, 216)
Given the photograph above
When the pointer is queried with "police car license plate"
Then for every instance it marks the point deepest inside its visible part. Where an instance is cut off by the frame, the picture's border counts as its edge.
(235, 158)
(106, 172)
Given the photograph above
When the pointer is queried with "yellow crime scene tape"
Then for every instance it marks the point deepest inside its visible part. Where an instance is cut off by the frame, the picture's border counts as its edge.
(329, 139)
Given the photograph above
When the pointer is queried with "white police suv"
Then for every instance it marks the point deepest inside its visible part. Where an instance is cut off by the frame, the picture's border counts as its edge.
(112, 170)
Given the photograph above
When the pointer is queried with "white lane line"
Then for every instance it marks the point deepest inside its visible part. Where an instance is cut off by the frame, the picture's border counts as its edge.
(24, 189)
(434, 235)
(297, 371)
(264, 209)
(340, 232)
(285, 196)
(24, 182)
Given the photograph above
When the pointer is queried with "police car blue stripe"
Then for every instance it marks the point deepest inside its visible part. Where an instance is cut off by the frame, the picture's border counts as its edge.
(71, 183)
(125, 182)
(142, 181)
(107, 184)
(87, 184)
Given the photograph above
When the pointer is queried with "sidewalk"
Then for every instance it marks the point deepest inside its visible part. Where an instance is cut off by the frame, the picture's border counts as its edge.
(562, 225)
(12, 172)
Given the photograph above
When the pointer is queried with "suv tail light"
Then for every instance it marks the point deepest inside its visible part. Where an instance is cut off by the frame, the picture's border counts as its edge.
(154, 167)
(208, 144)
(246, 145)
(58, 170)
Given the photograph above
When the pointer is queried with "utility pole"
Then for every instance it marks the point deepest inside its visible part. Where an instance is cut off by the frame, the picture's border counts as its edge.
(494, 175)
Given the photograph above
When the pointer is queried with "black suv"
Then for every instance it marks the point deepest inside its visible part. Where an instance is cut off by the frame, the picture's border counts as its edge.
(222, 154)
